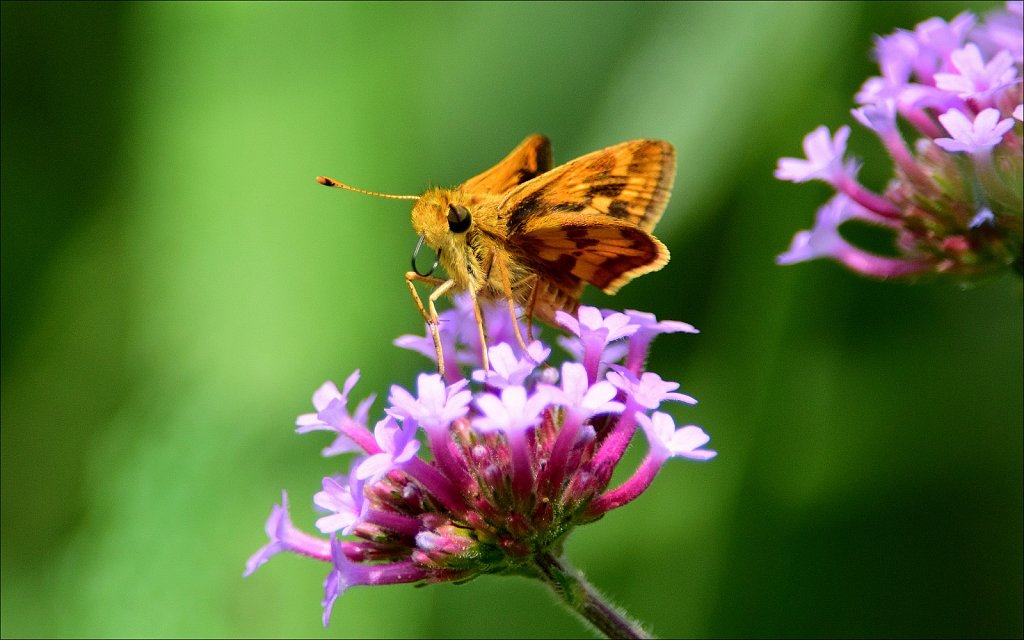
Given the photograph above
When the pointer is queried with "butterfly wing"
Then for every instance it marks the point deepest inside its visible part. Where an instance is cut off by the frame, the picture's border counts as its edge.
(589, 220)
(601, 251)
(527, 161)
(630, 181)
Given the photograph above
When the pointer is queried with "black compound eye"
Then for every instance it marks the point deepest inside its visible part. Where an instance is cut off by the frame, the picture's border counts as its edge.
(458, 218)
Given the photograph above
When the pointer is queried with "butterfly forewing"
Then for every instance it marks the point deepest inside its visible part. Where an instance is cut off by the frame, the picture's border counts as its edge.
(630, 181)
(527, 161)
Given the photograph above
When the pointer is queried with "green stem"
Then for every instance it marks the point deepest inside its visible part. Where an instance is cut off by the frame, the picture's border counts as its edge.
(993, 185)
(578, 594)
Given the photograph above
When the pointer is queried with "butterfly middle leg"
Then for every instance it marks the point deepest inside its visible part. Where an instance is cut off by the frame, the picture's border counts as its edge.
(510, 299)
(531, 306)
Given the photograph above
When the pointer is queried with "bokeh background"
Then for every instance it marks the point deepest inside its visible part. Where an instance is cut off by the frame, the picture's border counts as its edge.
(176, 285)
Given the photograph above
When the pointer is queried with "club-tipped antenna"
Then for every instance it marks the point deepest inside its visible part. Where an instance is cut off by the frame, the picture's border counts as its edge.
(331, 182)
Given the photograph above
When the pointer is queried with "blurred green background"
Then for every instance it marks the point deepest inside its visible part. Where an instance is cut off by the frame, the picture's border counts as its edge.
(176, 285)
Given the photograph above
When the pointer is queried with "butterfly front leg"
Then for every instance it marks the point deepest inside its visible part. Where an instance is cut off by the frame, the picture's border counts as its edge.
(429, 313)
(433, 322)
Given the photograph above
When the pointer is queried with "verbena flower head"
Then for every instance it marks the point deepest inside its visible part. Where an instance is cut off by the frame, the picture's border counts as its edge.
(513, 461)
(954, 205)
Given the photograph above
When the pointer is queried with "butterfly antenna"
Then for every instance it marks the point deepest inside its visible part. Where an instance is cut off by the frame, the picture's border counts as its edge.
(331, 182)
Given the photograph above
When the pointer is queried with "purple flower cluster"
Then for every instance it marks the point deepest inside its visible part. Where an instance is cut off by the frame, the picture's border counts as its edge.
(518, 455)
(955, 204)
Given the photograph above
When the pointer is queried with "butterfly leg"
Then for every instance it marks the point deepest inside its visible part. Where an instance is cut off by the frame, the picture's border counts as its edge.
(480, 329)
(507, 284)
(531, 308)
(442, 286)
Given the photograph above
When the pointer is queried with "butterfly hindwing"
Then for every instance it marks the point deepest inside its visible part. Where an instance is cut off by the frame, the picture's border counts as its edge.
(602, 251)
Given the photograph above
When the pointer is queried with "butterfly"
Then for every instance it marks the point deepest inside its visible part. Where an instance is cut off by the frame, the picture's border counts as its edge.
(535, 236)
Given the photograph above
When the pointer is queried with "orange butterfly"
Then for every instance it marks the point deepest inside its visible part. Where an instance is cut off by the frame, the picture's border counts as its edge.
(534, 236)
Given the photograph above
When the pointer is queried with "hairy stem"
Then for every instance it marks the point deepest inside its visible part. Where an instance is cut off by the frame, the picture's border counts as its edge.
(580, 596)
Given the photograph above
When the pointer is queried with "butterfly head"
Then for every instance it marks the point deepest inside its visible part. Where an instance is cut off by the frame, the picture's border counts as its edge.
(442, 217)
(445, 220)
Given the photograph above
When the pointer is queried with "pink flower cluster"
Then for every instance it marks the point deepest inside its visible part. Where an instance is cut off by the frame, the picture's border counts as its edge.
(954, 205)
(519, 454)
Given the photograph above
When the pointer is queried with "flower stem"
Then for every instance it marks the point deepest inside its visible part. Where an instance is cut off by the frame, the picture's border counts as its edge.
(572, 589)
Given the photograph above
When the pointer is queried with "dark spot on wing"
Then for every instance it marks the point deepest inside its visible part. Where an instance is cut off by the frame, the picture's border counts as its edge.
(619, 209)
(524, 174)
(614, 267)
(565, 263)
(570, 207)
(519, 214)
(609, 189)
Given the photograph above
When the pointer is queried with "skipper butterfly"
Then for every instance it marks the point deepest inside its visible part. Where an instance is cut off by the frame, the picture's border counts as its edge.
(534, 235)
